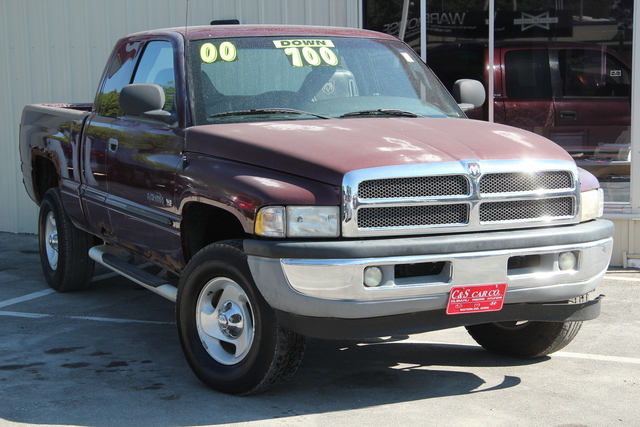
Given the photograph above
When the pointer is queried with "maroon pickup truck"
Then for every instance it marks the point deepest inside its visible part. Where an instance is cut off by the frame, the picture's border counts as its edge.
(576, 94)
(285, 182)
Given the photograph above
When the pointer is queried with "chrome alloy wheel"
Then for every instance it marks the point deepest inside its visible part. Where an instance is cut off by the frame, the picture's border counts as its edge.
(225, 321)
(51, 242)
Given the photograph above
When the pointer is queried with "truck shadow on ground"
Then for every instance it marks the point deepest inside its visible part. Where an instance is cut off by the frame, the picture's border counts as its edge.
(66, 359)
(114, 387)
(391, 367)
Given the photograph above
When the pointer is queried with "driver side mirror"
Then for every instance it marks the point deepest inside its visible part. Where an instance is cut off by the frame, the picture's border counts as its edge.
(144, 100)
(468, 93)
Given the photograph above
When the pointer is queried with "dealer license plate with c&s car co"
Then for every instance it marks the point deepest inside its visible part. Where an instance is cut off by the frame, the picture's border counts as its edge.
(476, 298)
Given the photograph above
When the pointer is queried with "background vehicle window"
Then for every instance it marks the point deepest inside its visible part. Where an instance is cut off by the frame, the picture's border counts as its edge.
(118, 76)
(156, 66)
(592, 73)
(452, 63)
(527, 74)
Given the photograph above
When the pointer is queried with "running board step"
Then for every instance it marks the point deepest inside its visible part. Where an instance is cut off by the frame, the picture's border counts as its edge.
(110, 257)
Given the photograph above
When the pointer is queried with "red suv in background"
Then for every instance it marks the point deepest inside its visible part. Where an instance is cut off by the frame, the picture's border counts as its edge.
(575, 94)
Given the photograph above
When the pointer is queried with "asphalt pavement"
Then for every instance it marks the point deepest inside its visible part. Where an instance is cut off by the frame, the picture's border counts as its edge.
(110, 356)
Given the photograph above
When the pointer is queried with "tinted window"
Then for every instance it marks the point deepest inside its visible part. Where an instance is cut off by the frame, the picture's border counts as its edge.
(592, 73)
(527, 74)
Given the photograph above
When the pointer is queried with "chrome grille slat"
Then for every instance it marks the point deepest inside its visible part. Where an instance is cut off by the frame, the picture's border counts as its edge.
(522, 182)
(422, 186)
(468, 195)
(514, 210)
(411, 216)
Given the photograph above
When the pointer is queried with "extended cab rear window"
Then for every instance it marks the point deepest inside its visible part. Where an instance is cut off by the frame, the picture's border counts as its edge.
(527, 74)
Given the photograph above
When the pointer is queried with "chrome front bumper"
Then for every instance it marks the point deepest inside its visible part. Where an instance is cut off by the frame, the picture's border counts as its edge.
(325, 279)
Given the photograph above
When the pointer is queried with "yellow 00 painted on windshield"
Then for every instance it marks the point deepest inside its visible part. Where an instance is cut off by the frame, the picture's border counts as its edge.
(226, 52)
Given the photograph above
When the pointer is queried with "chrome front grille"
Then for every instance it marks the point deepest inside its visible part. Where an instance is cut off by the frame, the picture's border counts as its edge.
(459, 196)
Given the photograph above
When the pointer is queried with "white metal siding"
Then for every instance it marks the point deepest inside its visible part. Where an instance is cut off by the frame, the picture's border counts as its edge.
(54, 51)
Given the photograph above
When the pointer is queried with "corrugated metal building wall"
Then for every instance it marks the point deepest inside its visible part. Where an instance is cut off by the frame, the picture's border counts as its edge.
(54, 51)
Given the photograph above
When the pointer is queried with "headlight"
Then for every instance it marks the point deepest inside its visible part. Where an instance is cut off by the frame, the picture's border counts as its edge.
(592, 204)
(298, 221)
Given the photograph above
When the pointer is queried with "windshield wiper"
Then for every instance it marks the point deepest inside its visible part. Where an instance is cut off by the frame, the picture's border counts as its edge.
(381, 112)
(258, 111)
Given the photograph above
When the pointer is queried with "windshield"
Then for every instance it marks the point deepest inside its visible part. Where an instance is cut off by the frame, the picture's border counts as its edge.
(266, 78)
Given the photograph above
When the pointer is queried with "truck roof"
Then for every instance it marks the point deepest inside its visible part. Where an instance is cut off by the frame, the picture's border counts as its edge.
(207, 31)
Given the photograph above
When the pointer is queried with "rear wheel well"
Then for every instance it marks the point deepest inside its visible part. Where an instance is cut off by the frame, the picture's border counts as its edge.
(205, 224)
(45, 176)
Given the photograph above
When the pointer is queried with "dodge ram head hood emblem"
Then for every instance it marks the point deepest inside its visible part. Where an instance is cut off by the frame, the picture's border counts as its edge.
(474, 170)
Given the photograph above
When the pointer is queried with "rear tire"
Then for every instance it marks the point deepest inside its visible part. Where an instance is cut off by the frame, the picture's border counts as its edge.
(524, 339)
(228, 332)
(64, 249)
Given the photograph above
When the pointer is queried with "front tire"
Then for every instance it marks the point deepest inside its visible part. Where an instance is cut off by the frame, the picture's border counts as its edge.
(228, 332)
(524, 339)
(64, 249)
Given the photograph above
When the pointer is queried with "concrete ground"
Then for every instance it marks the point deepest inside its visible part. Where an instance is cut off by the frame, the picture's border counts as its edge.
(110, 356)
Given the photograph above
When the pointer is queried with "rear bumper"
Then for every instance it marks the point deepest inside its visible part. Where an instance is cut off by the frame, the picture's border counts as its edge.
(324, 280)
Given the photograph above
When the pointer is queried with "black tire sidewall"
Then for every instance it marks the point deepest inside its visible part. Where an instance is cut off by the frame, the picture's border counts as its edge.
(536, 339)
(224, 261)
(75, 268)
(49, 205)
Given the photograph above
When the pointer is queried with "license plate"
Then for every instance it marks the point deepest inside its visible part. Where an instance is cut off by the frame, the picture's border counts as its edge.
(476, 299)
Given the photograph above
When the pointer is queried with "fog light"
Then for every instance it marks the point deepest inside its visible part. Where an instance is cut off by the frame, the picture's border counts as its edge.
(567, 261)
(372, 276)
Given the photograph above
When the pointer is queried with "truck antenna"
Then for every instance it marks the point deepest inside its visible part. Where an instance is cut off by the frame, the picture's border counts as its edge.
(186, 58)
(186, 20)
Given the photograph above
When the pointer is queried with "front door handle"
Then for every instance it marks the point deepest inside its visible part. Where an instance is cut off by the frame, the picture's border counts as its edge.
(113, 145)
(569, 114)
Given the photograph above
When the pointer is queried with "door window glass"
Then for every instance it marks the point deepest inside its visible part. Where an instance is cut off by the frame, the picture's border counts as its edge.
(118, 76)
(156, 66)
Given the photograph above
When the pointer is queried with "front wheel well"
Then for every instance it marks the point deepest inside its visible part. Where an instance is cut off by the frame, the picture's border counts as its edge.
(204, 224)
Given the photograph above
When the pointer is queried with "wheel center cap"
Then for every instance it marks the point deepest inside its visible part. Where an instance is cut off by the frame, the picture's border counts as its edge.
(223, 322)
(231, 320)
(53, 241)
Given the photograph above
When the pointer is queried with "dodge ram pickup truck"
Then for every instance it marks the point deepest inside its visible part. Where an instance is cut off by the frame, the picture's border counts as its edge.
(279, 183)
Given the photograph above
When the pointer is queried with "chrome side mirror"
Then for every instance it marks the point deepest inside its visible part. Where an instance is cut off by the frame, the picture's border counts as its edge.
(469, 94)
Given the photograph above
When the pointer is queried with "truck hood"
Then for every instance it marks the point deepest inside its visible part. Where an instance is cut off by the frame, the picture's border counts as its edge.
(324, 150)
